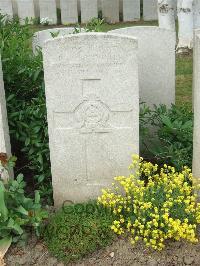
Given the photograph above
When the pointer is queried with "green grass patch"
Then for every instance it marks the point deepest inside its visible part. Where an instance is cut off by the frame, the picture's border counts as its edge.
(78, 230)
(184, 69)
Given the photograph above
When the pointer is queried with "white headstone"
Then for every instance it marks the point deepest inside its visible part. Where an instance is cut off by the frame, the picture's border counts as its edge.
(150, 10)
(69, 11)
(14, 6)
(6, 8)
(40, 37)
(26, 10)
(4, 130)
(196, 107)
(110, 10)
(131, 10)
(37, 8)
(156, 63)
(91, 83)
(89, 10)
(48, 11)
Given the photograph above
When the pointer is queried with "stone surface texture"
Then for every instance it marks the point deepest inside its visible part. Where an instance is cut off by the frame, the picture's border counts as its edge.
(69, 11)
(89, 10)
(150, 10)
(48, 10)
(110, 10)
(6, 8)
(4, 131)
(26, 10)
(91, 83)
(196, 106)
(131, 10)
(156, 63)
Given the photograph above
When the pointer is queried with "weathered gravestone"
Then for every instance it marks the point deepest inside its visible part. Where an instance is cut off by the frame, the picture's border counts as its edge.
(156, 63)
(4, 131)
(196, 106)
(6, 8)
(89, 10)
(26, 10)
(91, 83)
(48, 10)
(150, 10)
(131, 10)
(110, 10)
(69, 11)
(40, 37)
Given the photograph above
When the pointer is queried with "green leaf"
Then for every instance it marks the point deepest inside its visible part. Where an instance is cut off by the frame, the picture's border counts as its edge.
(3, 208)
(4, 245)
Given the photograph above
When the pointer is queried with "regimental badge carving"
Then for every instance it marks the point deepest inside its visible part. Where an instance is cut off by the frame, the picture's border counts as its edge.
(92, 115)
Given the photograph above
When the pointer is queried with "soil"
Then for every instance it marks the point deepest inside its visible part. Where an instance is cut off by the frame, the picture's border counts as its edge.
(121, 252)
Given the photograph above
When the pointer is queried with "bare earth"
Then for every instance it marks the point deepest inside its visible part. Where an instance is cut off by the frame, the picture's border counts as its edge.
(121, 252)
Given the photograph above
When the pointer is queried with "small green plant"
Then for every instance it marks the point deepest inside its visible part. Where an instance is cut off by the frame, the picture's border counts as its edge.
(166, 134)
(78, 230)
(94, 25)
(17, 212)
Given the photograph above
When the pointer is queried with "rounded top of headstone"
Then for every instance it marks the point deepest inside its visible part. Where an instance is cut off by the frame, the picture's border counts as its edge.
(91, 36)
(142, 28)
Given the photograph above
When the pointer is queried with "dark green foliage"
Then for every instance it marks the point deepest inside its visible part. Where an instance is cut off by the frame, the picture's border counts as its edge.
(17, 212)
(78, 230)
(24, 86)
(171, 140)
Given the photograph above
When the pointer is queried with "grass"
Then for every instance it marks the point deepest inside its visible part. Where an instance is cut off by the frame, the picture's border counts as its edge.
(184, 64)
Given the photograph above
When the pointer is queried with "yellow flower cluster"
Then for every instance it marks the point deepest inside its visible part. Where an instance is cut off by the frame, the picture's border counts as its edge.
(154, 204)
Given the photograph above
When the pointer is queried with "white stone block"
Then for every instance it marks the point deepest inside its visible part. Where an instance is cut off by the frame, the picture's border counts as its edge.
(41, 37)
(69, 11)
(196, 106)
(156, 63)
(110, 10)
(37, 8)
(89, 10)
(6, 8)
(26, 10)
(150, 10)
(4, 130)
(48, 10)
(131, 10)
(14, 6)
(91, 84)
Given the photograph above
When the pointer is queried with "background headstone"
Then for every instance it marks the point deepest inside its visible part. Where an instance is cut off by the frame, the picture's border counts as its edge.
(26, 10)
(156, 63)
(196, 106)
(150, 10)
(110, 10)
(40, 37)
(69, 11)
(14, 6)
(89, 10)
(131, 10)
(48, 10)
(91, 83)
(4, 130)
(6, 8)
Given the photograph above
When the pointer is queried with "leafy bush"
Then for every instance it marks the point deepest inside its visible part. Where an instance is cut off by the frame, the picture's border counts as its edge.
(78, 230)
(17, 212)
(171, 140)
(24, 86)
(154, 204)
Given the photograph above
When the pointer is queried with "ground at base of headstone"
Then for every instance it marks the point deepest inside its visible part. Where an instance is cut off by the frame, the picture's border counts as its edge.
(121, 252)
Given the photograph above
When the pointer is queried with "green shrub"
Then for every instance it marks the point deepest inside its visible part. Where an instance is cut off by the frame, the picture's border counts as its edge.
(172, 141)
(78, 230)
(24, 87)
(17, 212)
